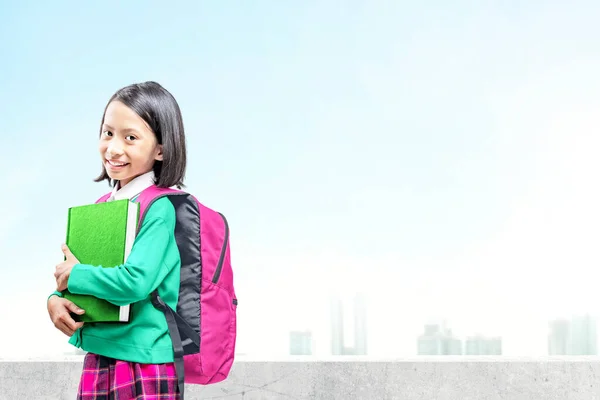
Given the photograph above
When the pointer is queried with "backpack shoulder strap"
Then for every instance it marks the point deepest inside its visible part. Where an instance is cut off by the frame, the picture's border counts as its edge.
(103, 198)
(149, 196)
(145, 199)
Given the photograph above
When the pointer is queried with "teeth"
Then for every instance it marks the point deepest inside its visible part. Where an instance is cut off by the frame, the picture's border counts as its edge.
(116, 164)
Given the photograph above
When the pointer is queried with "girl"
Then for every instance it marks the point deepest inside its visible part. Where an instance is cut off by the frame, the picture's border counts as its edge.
(142, 143)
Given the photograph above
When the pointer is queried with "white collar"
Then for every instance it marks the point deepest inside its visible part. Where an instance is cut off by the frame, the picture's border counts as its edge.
(133, 188)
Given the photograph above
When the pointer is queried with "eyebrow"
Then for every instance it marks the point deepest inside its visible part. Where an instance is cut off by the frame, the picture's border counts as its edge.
(124, 130)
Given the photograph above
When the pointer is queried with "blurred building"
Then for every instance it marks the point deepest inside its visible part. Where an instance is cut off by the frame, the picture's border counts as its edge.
(339, 341)
(437, 339)
(301, 343)
(577, 336)
(337, 327)
(480, 345)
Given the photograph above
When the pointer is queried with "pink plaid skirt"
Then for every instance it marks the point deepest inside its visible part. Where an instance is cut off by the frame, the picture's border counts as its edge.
(105, 378)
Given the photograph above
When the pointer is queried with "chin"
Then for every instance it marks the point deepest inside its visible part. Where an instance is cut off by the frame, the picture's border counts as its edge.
(114, 177)
(118, 177)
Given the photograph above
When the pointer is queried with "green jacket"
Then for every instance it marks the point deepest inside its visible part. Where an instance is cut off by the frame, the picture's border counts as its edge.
(153, 263)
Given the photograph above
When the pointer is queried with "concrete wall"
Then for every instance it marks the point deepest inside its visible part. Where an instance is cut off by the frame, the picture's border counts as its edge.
(406, 380)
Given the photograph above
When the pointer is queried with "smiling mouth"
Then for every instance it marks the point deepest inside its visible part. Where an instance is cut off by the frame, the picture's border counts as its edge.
(116, 163)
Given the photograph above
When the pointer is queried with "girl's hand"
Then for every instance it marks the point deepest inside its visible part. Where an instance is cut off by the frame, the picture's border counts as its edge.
(60, 310)
(63, 270)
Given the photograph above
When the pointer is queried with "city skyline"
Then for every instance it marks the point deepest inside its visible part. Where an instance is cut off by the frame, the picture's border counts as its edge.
(575, 336)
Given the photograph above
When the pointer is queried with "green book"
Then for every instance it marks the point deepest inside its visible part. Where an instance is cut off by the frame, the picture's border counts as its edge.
(101, 234)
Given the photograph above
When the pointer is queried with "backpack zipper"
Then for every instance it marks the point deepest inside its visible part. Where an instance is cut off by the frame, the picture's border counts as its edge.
(215, 278)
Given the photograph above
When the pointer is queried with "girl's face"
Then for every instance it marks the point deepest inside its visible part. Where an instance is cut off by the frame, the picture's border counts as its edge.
(128, 146)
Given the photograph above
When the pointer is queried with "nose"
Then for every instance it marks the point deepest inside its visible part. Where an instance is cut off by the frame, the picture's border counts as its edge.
(114, 149)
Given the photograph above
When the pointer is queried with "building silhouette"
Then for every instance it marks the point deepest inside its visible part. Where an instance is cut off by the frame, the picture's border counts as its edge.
(558, 338)
(438, 340)
(337, 327)
(577, 336)
(339, 341)
(301, 343)
(480, 345)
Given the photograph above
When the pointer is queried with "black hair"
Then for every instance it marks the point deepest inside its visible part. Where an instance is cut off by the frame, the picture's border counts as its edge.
(159, 109)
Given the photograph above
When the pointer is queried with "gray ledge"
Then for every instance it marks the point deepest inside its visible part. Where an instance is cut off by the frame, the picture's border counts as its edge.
(422, 378)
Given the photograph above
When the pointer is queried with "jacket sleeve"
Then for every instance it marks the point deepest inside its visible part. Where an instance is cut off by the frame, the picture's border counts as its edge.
(142, 272)
(56, 293)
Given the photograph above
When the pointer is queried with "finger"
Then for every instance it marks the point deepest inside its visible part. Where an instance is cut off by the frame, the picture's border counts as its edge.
(66, 251)
(66, 330)
(61, 283)
(60, 268)
(73, 308)
(78, 325)
(70, 322)
(61, 326)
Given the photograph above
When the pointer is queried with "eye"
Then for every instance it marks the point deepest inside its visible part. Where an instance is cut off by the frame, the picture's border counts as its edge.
(107, 133)
(130, 137)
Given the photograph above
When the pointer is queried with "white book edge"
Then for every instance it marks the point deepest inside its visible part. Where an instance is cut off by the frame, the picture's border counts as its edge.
(132, 219)
(124, 313)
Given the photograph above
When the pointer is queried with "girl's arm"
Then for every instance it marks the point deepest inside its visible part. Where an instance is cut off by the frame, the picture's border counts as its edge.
(144, 269)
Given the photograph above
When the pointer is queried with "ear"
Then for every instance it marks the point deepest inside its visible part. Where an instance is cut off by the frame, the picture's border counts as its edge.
(159, 153)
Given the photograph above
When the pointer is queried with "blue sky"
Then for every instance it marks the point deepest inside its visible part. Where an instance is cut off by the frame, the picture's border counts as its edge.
(438, 156)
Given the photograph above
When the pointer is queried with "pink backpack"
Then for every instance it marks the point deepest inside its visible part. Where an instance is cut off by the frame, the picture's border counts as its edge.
(203, 327)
